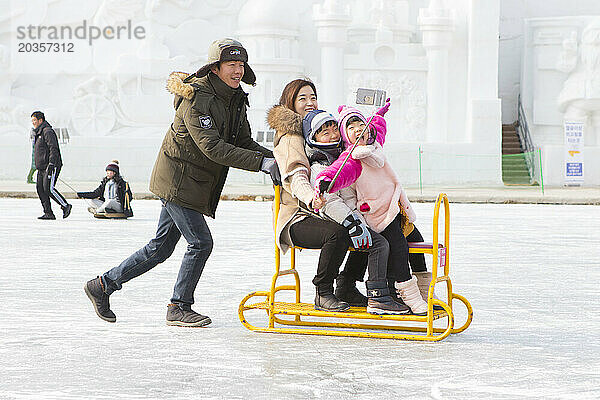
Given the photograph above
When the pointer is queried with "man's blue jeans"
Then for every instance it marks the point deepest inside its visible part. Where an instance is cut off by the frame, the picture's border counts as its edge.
(174, 221)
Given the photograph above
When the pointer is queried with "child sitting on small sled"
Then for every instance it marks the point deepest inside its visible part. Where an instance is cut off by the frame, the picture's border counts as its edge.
(113, 196)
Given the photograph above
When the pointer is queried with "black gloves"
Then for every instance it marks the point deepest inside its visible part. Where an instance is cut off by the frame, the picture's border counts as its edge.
(324, 185)
(50, 170)
(269, 166)
(321, 185)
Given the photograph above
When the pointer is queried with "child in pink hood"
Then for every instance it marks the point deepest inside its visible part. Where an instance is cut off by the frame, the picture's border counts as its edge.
(323, 145)
(378, 195)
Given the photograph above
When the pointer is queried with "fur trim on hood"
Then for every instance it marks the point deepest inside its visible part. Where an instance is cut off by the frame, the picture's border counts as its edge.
(177, 86)
(284, 121)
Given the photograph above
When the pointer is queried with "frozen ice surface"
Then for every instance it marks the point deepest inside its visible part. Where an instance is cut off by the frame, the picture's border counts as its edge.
(530, 271)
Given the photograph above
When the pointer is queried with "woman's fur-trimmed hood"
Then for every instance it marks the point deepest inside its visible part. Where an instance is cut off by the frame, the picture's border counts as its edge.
(284, 121)
(177, 86)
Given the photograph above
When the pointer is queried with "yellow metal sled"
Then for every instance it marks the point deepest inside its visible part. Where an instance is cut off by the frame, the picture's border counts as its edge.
(302, 318)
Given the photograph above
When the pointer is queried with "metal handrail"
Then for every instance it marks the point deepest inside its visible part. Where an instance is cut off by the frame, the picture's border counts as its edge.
(525, 141)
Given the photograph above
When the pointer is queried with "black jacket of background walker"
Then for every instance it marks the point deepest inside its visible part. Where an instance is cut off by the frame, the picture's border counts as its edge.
(123, 193)
(46, 148)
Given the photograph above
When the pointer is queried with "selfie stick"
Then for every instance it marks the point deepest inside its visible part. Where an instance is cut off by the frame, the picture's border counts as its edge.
(348, 155)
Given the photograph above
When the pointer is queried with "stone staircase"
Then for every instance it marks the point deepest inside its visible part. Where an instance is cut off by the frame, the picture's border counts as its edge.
(514, 166)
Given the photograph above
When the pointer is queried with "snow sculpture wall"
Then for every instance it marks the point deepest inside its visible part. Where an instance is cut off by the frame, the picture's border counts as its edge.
(437, 60)
(561, 84)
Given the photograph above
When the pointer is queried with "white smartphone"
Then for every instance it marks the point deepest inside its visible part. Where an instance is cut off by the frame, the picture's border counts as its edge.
(370, 97)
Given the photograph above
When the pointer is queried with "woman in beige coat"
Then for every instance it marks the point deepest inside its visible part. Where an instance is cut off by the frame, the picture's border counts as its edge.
(296, 224)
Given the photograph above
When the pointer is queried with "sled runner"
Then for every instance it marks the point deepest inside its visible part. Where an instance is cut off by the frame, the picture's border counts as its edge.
(301, 318)
(110, 216)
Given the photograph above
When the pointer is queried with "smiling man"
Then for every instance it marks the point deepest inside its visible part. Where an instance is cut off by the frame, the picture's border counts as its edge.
(209, 134)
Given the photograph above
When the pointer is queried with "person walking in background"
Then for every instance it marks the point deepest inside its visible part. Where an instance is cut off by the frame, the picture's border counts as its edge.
(48, 163)
(112, 196)
(32, 168)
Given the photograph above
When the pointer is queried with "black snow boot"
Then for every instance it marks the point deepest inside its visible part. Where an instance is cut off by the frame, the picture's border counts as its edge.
(67, 210)
(325, 300)
(94, 290)
(380, 301)
(47, 216)
(183, 315)
(394, 292)
(346, 290)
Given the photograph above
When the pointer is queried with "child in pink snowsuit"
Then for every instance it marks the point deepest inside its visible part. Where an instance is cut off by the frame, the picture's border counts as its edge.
(378, 195)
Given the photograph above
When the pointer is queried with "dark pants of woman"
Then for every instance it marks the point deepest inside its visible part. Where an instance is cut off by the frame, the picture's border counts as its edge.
(331, 238)
(356, 264)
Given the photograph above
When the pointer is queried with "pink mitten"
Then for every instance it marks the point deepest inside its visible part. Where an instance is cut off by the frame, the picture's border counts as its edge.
(385, 108)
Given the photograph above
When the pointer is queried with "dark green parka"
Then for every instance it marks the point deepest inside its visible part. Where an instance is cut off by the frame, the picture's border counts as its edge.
(209, 134)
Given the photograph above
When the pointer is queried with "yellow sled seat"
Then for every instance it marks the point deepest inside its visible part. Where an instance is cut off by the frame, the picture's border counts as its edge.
(302, 318)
